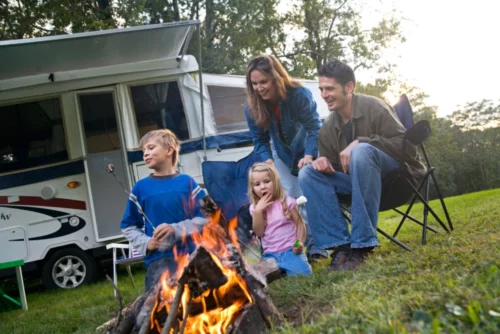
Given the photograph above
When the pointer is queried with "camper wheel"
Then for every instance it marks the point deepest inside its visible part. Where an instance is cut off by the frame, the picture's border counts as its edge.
(68, 268)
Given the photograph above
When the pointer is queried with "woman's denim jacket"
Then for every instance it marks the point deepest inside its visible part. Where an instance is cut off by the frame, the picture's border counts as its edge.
(300, 124)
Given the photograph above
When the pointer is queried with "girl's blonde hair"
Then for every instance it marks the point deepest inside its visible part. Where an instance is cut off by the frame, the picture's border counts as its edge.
(166, 138)
(272, 68)
(278, 191)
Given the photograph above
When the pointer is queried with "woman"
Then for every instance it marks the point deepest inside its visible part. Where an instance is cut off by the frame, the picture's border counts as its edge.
(283, 120)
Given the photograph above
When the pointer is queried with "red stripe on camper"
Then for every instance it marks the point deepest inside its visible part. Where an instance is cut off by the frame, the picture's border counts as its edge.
(38, 201)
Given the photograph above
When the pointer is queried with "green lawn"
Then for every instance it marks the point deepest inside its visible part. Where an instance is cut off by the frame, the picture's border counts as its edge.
(451, 285)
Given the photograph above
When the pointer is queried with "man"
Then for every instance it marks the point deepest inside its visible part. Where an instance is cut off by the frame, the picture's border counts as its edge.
(359, 144)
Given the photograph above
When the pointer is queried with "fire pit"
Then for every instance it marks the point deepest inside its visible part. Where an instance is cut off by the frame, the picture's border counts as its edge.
(213, 291)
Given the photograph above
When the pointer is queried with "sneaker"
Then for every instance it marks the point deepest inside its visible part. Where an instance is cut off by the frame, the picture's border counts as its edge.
(356, 258)
(339, 256)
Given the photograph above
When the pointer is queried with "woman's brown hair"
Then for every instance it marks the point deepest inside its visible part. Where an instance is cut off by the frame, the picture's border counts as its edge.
(272, 68)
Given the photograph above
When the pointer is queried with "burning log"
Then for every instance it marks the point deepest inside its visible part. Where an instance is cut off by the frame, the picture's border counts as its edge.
(214, 291)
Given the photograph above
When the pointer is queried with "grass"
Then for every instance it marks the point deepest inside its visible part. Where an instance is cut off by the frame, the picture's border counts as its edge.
(450, 285)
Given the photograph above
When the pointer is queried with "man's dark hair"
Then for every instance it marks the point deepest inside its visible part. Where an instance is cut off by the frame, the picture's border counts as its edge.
(337, 70)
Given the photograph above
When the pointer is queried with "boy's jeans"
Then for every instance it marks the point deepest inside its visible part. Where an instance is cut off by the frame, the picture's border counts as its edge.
(329, 228)
(292, 264)
(290, 183)
(157, 268)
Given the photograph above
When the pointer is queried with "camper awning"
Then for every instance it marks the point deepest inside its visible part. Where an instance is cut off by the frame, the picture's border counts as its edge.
(92, 50)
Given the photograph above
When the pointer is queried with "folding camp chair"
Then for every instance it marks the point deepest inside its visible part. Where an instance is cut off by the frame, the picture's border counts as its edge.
(417, 134)
(399, 186)
(226, 182)
(127, 259)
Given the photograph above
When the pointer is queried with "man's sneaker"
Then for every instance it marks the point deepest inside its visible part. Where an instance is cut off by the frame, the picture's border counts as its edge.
(339, 256)
(356, 258)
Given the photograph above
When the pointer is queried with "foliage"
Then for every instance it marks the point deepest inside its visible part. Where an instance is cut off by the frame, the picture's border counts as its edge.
(303, 36)
(450, 285)
(331, 29)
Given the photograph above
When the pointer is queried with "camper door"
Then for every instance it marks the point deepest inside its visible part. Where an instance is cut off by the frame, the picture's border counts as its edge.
(103, 144)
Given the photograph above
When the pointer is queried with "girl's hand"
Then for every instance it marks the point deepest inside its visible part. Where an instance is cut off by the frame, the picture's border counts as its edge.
(299, 249)
(263, 203)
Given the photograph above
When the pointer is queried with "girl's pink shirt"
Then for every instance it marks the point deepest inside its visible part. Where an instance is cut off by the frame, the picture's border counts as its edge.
(280, 233)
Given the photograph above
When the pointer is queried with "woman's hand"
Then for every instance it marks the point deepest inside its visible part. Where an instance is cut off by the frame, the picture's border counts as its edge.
(306, 160)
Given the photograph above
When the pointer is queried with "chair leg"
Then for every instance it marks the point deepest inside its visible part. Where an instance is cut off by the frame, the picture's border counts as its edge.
(114, 271)
(397, 242)
(429, 208)
(442, 201)
(129, 270)
(405, 215)
(413, 219)
(426, 212)
(391, 238)
(20, 285)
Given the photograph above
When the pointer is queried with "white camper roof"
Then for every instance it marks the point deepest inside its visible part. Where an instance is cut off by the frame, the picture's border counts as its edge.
(31, 61)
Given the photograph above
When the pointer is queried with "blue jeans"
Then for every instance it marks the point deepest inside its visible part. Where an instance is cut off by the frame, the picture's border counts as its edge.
(156, 268)
(292, 264)
(329, 228)
(290, 183)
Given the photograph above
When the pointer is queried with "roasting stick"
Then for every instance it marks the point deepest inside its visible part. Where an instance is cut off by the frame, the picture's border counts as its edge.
(186, 314)
(173, 309)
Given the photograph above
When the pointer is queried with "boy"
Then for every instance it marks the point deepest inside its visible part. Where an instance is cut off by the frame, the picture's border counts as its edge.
(171, 202)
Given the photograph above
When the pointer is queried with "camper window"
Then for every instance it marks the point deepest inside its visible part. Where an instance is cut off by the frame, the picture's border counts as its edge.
(227, 106)
(31, 135)
(159, 106)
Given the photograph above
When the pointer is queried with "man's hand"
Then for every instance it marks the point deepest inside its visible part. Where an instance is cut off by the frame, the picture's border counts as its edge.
(163, 231)
(263, 203)
(153, 244)
(345, 156)
(322, 165)
(306, 160)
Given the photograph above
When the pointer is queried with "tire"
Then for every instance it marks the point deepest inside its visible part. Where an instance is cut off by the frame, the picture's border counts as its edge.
(68, 269)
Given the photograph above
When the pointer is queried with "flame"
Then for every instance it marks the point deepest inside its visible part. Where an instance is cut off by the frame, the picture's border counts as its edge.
(219, 306)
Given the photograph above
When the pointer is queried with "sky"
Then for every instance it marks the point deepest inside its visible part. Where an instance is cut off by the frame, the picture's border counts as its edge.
(452, 51)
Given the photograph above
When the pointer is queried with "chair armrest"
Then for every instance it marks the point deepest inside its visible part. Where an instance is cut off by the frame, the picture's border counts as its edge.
(122, 246)
(418, 133)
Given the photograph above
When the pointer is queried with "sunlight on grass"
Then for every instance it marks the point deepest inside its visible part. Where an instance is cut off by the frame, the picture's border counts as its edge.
(452, 284)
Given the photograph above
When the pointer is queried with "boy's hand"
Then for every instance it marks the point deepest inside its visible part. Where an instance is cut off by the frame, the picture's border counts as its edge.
(163, 231)
(263, 203)
(298, 247)
(153, 244)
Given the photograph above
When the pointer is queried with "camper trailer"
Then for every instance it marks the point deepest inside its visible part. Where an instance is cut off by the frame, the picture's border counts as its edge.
(69, 106)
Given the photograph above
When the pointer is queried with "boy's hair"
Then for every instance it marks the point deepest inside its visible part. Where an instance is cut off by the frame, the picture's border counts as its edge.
(166, 138)
(341, 72)
(278, 191)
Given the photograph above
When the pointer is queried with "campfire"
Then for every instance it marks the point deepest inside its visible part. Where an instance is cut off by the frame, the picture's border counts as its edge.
(213, 291)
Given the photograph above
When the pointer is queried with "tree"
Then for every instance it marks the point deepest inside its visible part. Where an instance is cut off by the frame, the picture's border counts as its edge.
(477, 115)
(331, 29)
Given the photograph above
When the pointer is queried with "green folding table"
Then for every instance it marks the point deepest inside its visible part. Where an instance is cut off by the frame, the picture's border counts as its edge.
(20, 283)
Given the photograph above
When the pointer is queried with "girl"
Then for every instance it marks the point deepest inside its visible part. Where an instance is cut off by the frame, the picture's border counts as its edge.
(277, 220)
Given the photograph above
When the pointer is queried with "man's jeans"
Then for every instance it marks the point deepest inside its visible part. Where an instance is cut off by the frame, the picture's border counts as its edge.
(290, 183)
(329, 227)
